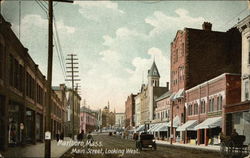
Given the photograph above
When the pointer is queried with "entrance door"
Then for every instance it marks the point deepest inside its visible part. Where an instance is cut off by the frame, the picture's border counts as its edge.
(202, 139)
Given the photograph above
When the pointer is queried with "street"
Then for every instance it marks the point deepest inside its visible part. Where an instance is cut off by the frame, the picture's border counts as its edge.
(114, 142)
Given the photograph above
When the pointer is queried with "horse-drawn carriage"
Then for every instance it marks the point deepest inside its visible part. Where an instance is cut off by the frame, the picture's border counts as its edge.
(233, 146)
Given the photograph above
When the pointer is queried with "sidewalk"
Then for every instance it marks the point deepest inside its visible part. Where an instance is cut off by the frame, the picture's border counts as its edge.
(215, 148)
(36, 150)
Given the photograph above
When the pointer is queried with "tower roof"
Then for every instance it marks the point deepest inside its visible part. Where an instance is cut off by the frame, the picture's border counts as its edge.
(153, 72)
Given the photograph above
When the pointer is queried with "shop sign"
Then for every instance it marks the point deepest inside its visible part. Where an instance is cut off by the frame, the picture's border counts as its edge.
(47, 135)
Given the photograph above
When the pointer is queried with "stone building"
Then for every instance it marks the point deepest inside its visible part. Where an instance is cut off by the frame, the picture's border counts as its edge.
(197, 57)
(130, 111)
(119, 120)
(22, 94)
(238, 115)
(149, 93)
(205, 109)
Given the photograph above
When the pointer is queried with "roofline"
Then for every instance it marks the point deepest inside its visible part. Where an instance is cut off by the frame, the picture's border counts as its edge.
(212, 81)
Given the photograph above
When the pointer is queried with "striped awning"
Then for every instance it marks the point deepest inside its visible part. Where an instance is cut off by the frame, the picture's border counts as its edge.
(209, 123)
(188, 126)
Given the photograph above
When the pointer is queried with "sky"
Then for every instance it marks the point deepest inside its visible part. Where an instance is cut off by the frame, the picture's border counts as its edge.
(115, 41)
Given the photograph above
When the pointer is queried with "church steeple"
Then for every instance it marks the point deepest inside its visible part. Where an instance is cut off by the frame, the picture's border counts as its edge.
(153, 75)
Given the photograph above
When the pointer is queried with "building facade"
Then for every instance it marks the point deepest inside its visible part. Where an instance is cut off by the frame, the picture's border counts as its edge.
(88, 120)
(73, 108)
(149, 93)
(192, 64)
(108, 118)
(130, 111)
(22, 94)
(138, 109)
(119, 120)
(238, 115)
(205, 112)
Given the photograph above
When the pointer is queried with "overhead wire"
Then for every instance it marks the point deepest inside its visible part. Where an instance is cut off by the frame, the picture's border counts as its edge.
(42, 7)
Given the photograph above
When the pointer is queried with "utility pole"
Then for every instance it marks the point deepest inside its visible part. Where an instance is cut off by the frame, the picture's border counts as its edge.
(47, 150)
(72, 70)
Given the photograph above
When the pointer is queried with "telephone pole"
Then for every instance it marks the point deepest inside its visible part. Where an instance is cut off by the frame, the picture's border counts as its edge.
(47, 150)
(72, 71)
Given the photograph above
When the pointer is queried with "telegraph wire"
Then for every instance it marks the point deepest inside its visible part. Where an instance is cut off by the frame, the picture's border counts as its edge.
(42, 7)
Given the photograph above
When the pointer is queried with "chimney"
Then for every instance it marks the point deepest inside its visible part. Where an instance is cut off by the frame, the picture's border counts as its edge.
(207, 26)
(167, 84)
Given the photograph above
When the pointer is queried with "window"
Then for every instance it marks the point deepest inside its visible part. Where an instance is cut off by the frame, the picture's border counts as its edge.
(219, 103)
(203, 107)
(195, 109)
(246, 90)
(190, 109)
(211, 105)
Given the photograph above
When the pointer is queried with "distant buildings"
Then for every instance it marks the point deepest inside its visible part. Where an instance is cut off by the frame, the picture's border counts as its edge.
(149, 93)
(108, 117)
(119, 120)
(130, 111)
(88, 120)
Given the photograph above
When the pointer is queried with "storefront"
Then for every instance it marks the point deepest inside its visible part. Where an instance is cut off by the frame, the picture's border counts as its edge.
(39, 126)
(210, 129)
(30, 125)
(14, 133)
(188, 131)
(238, 118)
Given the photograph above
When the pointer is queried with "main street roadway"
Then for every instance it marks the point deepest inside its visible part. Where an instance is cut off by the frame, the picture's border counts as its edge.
(125, 148)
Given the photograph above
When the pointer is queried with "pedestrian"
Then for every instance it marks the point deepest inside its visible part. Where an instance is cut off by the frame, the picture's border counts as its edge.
(62, 136)
(90, 137)
(57, 135)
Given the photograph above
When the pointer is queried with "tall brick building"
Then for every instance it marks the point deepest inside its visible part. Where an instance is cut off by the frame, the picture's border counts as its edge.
(130, 111)
(198, 55)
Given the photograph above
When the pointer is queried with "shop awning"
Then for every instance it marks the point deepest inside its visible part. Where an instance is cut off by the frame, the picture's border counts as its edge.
(155, 127)
(172, 96)
(163, 127)
(140, 128)
(209, 123)
(188, 126)
(158, 127)
(179, 94)
(152, 127)
(176, 122)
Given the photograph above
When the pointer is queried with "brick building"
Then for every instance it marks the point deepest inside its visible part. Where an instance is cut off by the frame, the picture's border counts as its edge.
(130, 111)
(205, 111)
(88, 120)
(238, 115)
(200, 55)
(22, 94)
